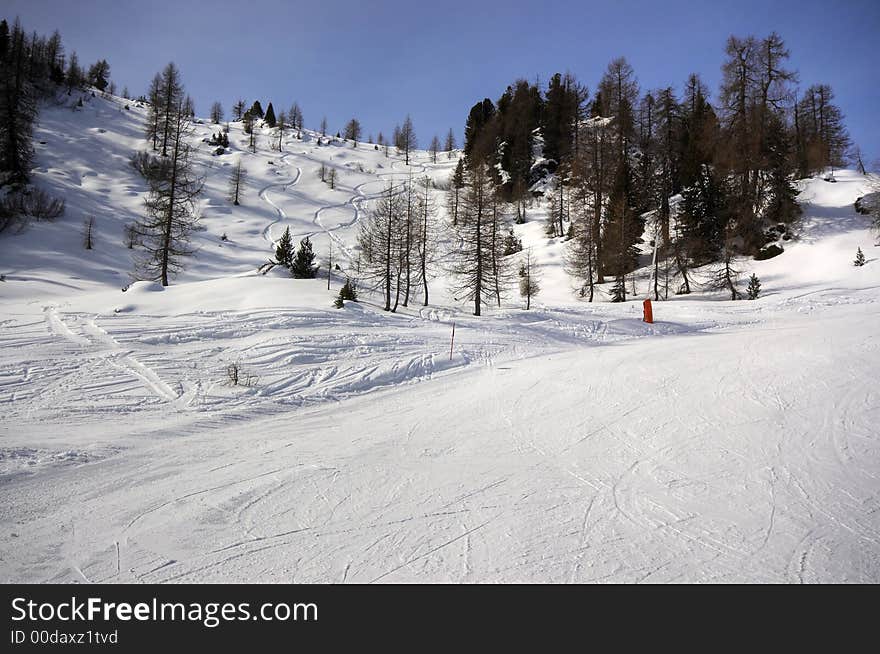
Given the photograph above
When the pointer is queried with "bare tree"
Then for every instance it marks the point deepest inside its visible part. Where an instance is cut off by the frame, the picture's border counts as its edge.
(239, 108)
(450, 143)
(170, 100)
(237, 182)
(88, 232)
(170, 205)
(408, 141)
(216, 113)
(324, 126)
(529, 280)
(474, 258)
(434, 148)
(380, 243)
(353, 131)
(426, 237)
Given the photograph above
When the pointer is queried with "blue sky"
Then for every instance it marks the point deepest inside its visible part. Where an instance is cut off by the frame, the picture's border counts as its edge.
(379, 61)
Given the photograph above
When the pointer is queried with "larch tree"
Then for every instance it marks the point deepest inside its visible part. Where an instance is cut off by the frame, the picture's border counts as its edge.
(238, 109)
(379, 241)
(171, 217)
(529, 279)
(449, 144)
(472, 259)
(237, 183)
(408, 141)
(353, 131)
(216, 113)
(434, 148)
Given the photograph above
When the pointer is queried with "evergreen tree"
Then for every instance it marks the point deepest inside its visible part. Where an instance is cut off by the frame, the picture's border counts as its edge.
(270, 116)
(347, 292)
(754, 288)
(18, 110)
(99, 74)
(303, 264)
(73, 76)
(479, 135)
(284, 250)
(256, 110)
(860, 258)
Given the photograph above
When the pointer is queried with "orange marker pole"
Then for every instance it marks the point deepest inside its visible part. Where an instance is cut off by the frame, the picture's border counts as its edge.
(649, 313)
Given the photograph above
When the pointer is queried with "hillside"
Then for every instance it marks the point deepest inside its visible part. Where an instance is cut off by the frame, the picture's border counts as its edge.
(728, 441)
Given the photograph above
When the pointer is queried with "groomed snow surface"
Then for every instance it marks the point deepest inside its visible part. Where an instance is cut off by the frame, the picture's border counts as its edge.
(727, 442)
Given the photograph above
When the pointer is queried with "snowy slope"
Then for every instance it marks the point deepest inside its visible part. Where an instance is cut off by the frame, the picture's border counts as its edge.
(729, 441)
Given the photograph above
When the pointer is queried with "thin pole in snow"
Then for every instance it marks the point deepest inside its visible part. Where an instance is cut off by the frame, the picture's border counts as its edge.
(330, 265)
(452, 342)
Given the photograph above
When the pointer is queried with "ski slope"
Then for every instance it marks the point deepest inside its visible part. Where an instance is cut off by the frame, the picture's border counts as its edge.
(727, 442)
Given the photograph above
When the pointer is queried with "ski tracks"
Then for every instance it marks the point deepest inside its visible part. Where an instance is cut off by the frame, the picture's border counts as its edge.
(99, 343)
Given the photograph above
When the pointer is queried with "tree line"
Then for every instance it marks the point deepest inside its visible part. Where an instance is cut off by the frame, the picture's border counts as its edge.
(715, 177)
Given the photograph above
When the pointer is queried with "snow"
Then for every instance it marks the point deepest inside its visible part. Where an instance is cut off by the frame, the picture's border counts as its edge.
(727, 442)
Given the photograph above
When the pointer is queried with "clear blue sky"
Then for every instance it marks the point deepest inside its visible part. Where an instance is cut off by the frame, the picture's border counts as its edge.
(379, 60)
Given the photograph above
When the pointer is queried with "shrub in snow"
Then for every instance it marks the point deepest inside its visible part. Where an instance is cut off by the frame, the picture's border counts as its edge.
(512, 244)
(19, 208)
(754, 288)
(236, 375)
(860, 258)
(347, 292)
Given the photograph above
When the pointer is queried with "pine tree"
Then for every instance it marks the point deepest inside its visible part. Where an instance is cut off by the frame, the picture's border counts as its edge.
(73, 76)
(860, 258)
(754, 288)
(284, 250)
(270, 116)
(256, 110)
(347, 292)
(99, 75)
(303, 266)
(18, 110)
